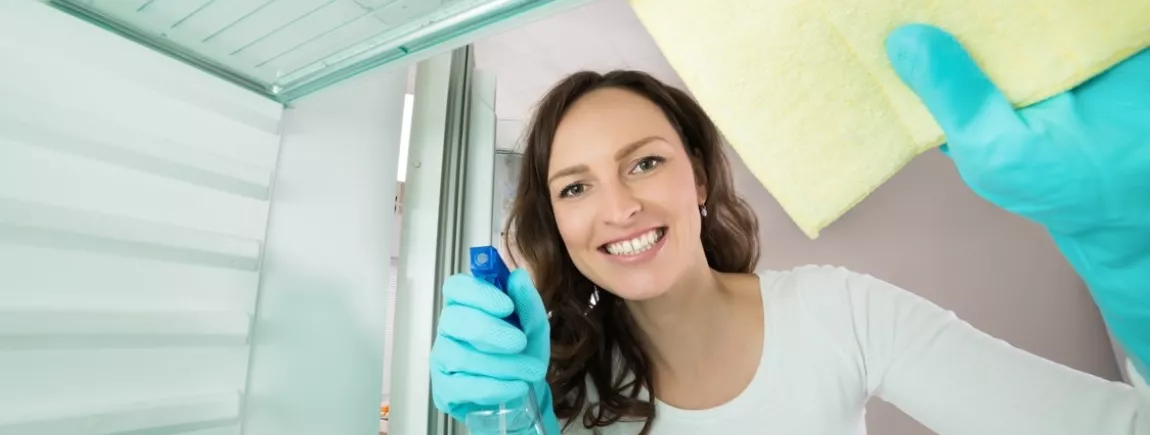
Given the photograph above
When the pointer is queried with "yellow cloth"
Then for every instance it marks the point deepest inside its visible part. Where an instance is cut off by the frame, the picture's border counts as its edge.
(804, 93)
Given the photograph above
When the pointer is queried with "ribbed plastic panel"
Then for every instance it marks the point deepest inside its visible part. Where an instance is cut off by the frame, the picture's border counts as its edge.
(132, 218)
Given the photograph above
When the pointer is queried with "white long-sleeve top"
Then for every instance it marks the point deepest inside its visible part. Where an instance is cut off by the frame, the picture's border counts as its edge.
(835, 338)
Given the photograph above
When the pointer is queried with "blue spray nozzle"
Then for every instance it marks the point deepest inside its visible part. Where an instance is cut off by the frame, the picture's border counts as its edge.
(486, 264)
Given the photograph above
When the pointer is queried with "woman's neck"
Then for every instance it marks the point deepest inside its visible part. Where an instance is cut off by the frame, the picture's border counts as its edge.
(684, 327)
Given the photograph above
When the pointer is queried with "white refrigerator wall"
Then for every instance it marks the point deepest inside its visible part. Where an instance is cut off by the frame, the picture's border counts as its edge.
(133, 205)
(164, 267)
(317, 361)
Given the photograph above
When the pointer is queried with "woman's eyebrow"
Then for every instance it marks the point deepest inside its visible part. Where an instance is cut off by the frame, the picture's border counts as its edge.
(570, 170)
(619, 155)
(631, 147)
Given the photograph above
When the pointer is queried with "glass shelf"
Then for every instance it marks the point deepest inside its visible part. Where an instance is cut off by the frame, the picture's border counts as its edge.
(286, 49)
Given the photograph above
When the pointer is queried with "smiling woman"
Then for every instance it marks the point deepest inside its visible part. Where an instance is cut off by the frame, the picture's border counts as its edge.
(643, 314)
(604, 213)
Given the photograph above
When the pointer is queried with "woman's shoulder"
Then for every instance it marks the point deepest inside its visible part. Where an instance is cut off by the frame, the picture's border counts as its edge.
(812, 281)
(834, 297)
(809, 270)
(829, 284)
(841, 300)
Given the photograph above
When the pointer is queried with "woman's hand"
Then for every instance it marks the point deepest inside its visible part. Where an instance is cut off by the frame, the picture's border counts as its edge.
(479, 360)
(1077, 163)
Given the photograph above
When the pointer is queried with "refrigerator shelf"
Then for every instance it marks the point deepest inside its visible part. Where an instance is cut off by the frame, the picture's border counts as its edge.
(285, 49)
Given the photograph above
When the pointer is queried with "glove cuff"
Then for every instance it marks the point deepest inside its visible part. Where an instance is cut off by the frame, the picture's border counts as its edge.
(1115, 265)
(547, 408)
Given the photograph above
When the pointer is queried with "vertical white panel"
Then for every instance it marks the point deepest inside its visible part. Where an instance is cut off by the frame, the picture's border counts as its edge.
(480, 163)
(132, 217)
(447, 208)
(396, 242)
(317, 357)
(415, 300)
(479, 170)
(389, 335)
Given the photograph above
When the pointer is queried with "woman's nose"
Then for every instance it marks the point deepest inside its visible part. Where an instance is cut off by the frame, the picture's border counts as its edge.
(620, 204)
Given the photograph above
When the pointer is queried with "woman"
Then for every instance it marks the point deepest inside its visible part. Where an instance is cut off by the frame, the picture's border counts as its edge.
(646, 316)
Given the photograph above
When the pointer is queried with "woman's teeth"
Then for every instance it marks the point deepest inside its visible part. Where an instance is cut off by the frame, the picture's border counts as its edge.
(639, 244)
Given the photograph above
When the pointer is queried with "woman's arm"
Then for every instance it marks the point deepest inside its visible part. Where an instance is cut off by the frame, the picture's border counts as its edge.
(957, 380)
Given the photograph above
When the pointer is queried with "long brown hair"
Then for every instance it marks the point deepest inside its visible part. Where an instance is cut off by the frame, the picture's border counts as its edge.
(593, 340)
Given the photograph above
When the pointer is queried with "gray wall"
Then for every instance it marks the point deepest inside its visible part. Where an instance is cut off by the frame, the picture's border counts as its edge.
(927, 232)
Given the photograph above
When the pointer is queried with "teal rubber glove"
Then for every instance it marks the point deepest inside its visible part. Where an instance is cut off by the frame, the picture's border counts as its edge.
(1077, 163)
(479, 360)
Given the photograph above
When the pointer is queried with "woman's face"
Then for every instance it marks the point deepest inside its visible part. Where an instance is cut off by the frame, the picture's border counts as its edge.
(624, 194)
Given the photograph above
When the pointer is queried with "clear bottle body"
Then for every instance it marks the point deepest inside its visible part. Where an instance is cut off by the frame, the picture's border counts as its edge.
(517, 417)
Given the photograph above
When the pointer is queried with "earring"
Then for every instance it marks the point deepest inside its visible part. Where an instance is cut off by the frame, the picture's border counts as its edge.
(703, 210)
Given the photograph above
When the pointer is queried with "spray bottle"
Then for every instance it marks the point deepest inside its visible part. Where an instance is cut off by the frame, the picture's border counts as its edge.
(520, 416)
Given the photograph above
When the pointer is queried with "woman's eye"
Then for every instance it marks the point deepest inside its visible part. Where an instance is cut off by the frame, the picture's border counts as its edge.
(647, 164)
(571, 190)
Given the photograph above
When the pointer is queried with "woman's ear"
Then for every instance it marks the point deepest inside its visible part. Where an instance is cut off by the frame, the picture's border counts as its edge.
(701, 181)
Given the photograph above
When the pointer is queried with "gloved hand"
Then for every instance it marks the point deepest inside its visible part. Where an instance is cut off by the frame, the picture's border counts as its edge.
(1077, 163)
(479, 360)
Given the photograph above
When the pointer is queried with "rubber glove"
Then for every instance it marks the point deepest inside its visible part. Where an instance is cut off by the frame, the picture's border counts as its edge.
(479, 360)
(1077, 163)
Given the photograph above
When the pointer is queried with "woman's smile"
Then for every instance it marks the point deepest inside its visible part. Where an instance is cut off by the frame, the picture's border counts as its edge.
(638, 248)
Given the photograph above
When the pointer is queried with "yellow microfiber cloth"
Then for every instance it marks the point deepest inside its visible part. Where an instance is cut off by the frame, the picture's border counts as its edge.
(804, 92)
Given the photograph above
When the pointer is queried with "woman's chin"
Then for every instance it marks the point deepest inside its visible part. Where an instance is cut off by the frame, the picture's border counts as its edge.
(638, 288)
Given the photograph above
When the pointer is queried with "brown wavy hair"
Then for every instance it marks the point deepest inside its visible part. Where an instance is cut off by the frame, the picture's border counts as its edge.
(594, 340)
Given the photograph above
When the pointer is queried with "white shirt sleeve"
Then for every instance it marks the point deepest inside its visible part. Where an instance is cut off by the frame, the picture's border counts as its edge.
(957, 380)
